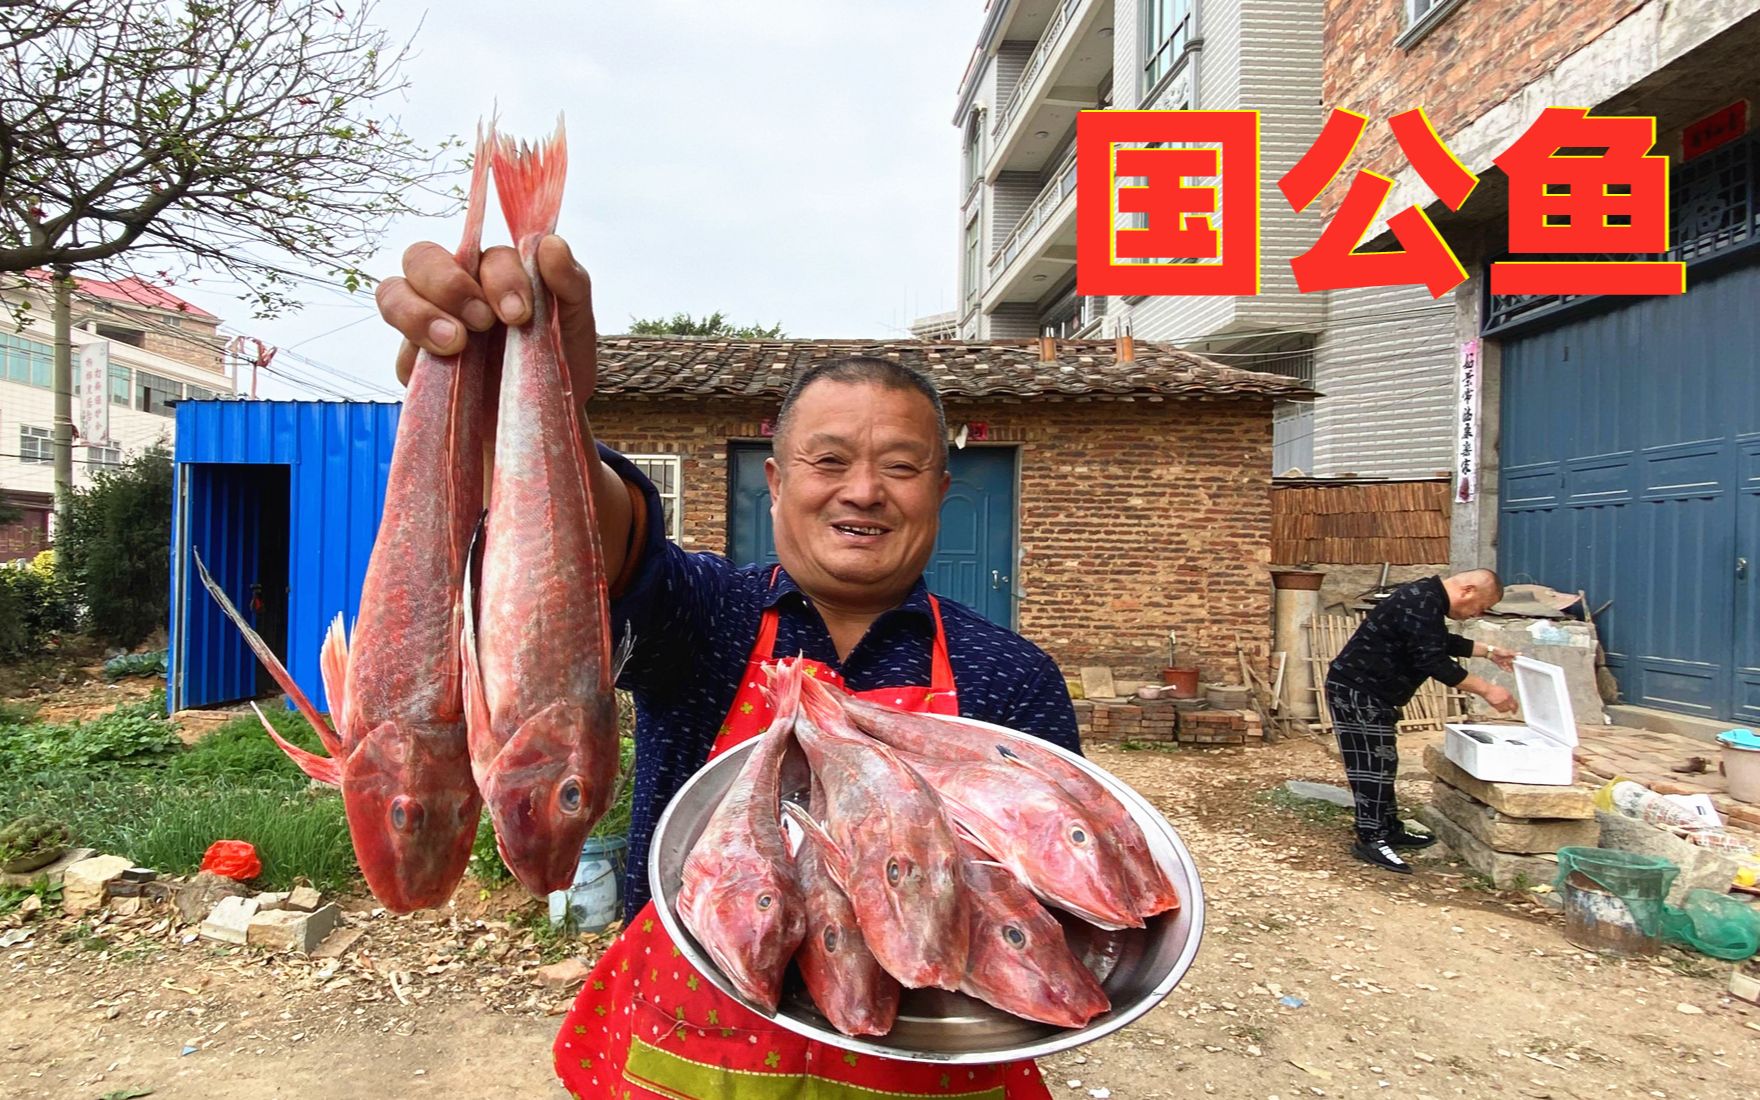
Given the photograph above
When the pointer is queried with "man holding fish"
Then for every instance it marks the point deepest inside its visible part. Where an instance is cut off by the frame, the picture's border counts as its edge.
(856, 482)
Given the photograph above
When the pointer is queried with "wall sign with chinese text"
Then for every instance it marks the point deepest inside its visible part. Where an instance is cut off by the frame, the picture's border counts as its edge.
(94, 393)
(1466, 450)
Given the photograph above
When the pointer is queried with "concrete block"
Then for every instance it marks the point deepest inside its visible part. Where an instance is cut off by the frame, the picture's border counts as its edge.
(1521, 835)
(231, 920)
(1701, 868)
(269, 902)
(55, 872)
(84, 883)
(1506, 871)
(292, 930)
(303, 898)
(1514, 799)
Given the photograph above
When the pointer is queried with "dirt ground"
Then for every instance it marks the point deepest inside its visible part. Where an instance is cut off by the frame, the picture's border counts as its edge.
(1404, 988)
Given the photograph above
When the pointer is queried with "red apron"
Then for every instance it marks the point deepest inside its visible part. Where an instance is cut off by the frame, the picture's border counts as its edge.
(647, 1025)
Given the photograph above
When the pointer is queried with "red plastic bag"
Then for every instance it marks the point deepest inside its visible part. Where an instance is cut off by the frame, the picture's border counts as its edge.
(234, 859)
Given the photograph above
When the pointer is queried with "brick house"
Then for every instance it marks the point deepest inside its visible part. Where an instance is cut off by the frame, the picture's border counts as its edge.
(1618, 442)
(1104, 494)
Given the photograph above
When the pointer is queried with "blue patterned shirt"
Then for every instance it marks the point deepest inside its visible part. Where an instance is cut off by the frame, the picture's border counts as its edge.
(695, 620)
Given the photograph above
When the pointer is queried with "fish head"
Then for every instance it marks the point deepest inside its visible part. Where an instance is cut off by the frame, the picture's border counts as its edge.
(412, 812)
(1068, 847)
(547, 787)
(748, 915)
(916, 893)
(1020, 961)
(849, 986)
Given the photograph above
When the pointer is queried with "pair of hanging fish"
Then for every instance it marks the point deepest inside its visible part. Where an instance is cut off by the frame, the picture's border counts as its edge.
(450, 693)
(928, 849)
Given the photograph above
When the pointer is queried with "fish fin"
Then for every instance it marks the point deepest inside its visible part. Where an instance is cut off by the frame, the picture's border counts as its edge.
(333, 668)
(476, 703)
(528, 181)
(324, 769)
(262, 650)
(625, 649)
(836, 863)
(470, 248)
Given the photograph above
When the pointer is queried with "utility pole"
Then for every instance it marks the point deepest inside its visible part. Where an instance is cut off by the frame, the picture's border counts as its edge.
(63, 384)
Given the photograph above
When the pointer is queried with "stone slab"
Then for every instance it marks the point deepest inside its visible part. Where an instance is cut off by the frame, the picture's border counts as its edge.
(1097, 683)
(292, 930)
(231, 920)
(1567, 643)
(54, 872)
(1515, 799)
(1320, 792)
(1506, 871)
(196, 898)
(84, 883)
(1518, 835)
(338, 944)
(303, 898)
(1701, 868)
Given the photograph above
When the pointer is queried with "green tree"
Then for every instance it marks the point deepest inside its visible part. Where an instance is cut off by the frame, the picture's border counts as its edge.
(116, 547)
(247, 137)
(713, 324)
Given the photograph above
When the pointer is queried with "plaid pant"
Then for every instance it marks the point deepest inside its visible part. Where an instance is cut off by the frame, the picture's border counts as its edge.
(1366, 738)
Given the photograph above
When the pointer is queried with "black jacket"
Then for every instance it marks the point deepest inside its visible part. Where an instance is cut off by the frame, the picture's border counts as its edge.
(1402, 641)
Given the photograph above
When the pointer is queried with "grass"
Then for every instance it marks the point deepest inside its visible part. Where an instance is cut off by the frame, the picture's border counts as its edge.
(1148, 746)
(241, 752)
(11, 897)
(1312, 811)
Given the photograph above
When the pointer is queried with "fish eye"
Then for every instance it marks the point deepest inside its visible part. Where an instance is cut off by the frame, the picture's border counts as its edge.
(570, 796)
(406, 814)
(831, 939)
(893, 873)
(1078, 834)
(1014, 936)
(764, 901)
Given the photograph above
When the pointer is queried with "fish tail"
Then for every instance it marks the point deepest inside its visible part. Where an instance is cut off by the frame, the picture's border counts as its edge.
(324, 769)
(470, 248)
(529, 180)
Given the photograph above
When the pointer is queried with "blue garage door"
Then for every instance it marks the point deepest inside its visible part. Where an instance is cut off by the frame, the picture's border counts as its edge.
(1631, 469)
(974, 554)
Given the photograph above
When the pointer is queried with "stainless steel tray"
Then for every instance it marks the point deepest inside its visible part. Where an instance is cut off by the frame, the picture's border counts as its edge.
(1137, 967)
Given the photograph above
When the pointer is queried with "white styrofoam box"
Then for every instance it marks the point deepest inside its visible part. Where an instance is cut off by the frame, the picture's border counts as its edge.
(1538, 752)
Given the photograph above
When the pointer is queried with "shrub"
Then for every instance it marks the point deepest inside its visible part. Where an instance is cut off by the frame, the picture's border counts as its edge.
(38, 604)
(131, 733)
(117, 547)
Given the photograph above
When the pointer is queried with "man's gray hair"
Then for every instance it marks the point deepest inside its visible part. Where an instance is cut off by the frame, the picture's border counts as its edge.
(870, 369)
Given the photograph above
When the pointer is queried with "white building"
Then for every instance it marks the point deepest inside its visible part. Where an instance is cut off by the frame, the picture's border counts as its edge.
(1037, 64)
(161, 350)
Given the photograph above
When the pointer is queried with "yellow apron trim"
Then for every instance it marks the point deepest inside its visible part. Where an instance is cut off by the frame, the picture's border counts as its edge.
(678, 1078)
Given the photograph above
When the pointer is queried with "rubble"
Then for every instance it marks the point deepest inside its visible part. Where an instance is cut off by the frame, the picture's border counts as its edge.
(230, 920)
(196, 898)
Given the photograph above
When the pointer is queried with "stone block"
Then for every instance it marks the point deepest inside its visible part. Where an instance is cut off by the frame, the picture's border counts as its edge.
(83, 885)
(1506, 871)
(292, 930)
(55, 872)
(1515, 799)
(1097, 683)
(269, 902)
(303, 898)
(1701, 868)
(196, 898)
(231, 920)
(1520, 835)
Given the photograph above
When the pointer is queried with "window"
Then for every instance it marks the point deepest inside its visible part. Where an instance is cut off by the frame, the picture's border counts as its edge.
(974, 150)
(103, 456)
(121, 386)
(1168, 33)
(1421, 16)
(665, 472)
(25, 360)
(35, 445)
(1418, 9)
(155, 394)
(974, 244)
(193, 392)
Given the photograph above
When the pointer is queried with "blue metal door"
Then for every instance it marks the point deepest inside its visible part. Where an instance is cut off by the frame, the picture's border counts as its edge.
(1631, 469)
(974, 553)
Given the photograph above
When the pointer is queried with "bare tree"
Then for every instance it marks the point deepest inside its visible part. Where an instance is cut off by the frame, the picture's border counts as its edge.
(251, 138)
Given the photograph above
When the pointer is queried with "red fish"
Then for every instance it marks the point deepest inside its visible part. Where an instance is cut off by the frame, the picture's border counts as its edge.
(1025, 821)
(398, 750)
(740, 897)
(539, 671)
(888, 846)
(1020, 961)
(931, 735)
(848, 984)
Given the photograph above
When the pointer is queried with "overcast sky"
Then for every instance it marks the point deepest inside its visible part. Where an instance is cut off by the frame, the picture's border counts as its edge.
(779, 160)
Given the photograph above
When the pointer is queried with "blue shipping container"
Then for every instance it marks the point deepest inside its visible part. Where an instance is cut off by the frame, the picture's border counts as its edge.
(282, 499)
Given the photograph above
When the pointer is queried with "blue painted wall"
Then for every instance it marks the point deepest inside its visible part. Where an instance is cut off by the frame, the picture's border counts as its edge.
(232, 458)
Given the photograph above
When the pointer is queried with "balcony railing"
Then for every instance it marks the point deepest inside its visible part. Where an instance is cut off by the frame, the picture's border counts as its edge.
(1062, 185)
(1017, 95)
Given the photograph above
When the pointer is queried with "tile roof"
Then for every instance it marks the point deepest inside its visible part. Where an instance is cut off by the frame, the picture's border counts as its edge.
(631, 366)
(131, 290)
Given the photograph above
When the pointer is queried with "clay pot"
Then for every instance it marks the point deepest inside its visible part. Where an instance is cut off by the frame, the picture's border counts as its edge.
(1182, 683)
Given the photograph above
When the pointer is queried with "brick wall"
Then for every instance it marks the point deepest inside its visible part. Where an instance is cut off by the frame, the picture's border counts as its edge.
(1135, 518)
(197, 344)
(1481, 54)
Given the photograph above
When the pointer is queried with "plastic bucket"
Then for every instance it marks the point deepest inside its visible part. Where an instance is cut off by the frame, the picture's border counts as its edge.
(595, 900)
(1613, 900)
(1742, 768)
